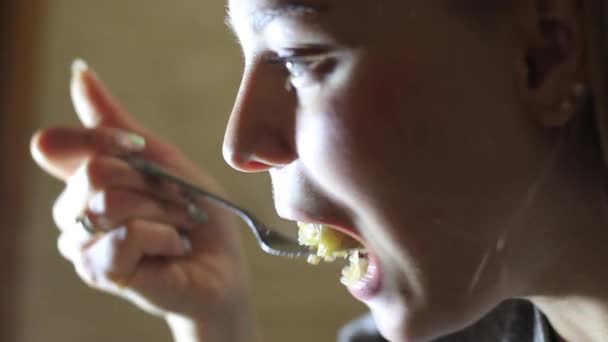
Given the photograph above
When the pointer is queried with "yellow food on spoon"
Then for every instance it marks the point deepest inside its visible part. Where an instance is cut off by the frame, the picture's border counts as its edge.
(355, 270)
(329, 243)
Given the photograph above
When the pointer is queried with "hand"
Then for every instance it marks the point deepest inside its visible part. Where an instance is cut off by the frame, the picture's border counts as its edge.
(145, 248)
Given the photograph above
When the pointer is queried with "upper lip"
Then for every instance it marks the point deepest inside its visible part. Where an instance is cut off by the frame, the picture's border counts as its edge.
(310, 205)
(343, 228)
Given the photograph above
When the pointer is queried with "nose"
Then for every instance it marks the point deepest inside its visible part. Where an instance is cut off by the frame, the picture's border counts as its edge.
(260, 132)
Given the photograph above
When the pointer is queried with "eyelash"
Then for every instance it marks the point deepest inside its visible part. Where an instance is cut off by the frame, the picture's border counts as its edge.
(297, 66)
(300, 66)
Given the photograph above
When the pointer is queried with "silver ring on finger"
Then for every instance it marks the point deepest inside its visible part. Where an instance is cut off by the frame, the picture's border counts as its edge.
(195, 213)
(86, 224)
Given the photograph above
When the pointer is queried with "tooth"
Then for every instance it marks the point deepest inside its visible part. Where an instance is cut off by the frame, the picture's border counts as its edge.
(355, 270)
(309, 234)
(329, 243)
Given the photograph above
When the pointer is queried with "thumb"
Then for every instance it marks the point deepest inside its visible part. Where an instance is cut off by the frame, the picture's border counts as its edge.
(97, 108)
(94, 104)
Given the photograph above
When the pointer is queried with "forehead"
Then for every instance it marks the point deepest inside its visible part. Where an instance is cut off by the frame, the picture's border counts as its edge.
(253, 5)
(256, 14)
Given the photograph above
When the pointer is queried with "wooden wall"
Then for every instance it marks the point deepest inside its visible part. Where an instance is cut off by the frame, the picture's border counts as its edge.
(19, 43)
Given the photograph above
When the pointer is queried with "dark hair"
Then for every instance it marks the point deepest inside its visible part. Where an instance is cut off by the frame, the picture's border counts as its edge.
(596, 21)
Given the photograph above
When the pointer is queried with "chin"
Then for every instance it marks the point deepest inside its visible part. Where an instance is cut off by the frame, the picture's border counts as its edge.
(398, 322)
(397, 329)
(402, 330)
(391, 315)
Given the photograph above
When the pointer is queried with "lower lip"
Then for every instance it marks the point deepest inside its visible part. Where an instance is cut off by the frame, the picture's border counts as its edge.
(370, 285)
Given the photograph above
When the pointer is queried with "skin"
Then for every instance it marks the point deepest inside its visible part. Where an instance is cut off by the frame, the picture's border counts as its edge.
(431, 180)
(137, 252)
(451, 169)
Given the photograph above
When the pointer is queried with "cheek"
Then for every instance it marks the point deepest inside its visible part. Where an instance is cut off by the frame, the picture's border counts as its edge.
(341, 148)
(438, 176)
(354, 136)
(452, 169)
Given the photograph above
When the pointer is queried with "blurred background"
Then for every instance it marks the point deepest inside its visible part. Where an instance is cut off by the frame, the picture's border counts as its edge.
(177, 67)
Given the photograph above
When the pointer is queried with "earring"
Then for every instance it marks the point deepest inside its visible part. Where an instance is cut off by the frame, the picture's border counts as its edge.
(566, 106)
(562, 113)
(579, 89)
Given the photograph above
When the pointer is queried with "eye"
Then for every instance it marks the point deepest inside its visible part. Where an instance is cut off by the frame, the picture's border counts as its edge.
(305, 68)
(299, 66)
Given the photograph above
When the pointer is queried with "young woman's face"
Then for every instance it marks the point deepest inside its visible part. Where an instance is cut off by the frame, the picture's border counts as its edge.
(403, 124)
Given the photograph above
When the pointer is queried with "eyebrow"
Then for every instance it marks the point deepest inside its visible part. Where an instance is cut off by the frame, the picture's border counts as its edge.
(261, 17)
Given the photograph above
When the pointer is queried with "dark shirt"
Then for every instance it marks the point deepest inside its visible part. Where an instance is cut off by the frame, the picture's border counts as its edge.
(512, 321)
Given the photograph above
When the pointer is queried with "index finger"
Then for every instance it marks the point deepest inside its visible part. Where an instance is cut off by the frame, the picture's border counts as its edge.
(61, 150)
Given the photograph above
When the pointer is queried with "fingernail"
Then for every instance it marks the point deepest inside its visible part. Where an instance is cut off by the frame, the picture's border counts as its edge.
(186, 244)
(129, 142)
(97, 203)
(78, 66)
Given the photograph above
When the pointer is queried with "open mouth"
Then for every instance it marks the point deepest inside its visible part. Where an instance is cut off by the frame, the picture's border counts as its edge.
(329, 245)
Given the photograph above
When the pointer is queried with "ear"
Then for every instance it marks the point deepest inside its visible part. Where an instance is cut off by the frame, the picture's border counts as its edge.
(554, 56)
